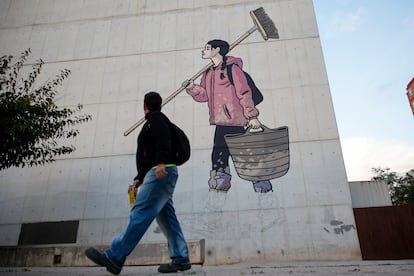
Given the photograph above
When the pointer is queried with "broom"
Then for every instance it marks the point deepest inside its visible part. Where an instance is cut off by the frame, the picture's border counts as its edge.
(262, 23)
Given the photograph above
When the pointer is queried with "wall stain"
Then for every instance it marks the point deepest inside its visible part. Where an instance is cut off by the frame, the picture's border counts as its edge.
(344, 228)
(336, 222)
(340, 227)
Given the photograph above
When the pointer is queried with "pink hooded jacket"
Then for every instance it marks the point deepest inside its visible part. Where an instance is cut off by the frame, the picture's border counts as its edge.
(229, 105)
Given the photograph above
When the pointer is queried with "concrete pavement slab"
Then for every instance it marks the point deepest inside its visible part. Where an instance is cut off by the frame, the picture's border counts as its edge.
(91, 271)
(355, 268)
(348, 268)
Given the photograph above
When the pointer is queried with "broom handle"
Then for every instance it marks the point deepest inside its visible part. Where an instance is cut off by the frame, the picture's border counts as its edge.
(243, 37)
(193, 78)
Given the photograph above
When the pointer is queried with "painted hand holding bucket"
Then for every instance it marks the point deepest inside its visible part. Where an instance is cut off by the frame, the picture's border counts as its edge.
(260, 155)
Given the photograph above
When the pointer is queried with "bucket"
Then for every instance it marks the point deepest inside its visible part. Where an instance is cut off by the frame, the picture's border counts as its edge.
(260, 155)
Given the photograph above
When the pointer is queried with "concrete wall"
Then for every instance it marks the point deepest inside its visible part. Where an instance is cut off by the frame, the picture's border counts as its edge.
(117, 51)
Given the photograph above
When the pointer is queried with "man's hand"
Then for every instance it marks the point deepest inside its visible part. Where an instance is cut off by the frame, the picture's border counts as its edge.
(136, 183)
(160, 171)
(134, 186)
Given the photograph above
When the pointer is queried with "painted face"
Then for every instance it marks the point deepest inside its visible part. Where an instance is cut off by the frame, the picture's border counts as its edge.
(209, 51)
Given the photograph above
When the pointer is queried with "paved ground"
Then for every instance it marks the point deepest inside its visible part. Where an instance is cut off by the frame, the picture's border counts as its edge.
(355, 268)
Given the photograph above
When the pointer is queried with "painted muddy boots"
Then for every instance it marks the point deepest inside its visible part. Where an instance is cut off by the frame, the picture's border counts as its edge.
(220, 182)
(263, 186)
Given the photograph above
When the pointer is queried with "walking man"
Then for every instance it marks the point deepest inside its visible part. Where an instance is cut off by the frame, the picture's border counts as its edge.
(156, 178)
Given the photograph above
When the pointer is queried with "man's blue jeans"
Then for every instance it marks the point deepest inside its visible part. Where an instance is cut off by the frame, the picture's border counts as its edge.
(154, 200)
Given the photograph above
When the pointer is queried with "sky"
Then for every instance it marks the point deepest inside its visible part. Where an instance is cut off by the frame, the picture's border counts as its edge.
(368, 47)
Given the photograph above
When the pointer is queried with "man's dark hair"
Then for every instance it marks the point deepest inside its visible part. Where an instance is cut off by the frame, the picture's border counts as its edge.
(152, 101)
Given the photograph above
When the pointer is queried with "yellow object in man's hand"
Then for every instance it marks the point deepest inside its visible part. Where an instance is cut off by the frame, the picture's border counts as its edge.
(132, 191)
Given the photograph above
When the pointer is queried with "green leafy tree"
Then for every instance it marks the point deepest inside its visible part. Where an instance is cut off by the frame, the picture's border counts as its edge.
(401, 188)
(31, 122)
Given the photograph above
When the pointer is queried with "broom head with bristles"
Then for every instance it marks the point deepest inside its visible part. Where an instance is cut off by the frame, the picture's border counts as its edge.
(264, 24)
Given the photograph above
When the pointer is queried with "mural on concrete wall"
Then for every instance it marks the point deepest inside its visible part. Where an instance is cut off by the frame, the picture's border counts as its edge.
(259, 154)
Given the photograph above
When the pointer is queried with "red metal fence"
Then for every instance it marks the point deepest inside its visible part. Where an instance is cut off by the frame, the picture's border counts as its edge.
(386, 233)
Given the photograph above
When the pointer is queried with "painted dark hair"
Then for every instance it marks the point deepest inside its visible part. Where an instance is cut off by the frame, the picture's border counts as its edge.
(224, 49)
(152, 101)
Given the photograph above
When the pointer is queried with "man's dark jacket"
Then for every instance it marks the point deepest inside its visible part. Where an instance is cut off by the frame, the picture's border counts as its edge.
(154, 143)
